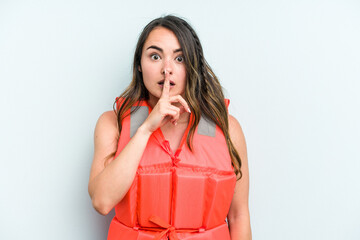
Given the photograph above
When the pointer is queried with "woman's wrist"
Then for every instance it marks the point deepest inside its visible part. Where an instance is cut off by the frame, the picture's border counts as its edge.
(144, 131)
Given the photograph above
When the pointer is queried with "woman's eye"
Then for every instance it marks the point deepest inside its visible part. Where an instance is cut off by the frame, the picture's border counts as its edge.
(155, 57)
(180, 59)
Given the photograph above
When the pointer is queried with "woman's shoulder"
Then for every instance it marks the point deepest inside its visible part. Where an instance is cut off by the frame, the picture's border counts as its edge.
(107, 124)
(236, 134)
(235, 129)
(233, 122)
(108, 117)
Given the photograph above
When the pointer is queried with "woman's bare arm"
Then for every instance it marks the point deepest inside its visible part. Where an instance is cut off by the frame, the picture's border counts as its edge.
(238, 216)
(108, 185)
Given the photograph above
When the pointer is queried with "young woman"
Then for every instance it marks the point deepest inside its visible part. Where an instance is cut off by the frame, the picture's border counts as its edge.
(169, 158)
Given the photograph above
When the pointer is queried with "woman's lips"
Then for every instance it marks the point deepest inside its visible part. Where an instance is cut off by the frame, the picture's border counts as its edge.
(162, 83)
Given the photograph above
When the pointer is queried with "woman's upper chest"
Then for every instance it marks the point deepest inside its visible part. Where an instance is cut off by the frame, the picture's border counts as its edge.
(174, 134)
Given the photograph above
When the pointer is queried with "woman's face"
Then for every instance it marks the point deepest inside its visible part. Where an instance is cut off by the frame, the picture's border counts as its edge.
(162, 51)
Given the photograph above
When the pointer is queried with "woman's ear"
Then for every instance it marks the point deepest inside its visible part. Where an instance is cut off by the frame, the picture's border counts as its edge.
(139, 68)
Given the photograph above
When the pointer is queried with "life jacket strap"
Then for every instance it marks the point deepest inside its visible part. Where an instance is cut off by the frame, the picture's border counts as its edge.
(165, 228)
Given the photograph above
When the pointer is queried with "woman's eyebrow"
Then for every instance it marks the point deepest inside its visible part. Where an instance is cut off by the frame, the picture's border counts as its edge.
(161, 50)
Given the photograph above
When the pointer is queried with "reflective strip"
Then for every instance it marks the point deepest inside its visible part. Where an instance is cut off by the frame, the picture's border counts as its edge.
(137, 118)
(206, 127)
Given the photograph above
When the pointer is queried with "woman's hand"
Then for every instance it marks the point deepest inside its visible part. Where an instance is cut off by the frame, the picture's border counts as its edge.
(164, 111)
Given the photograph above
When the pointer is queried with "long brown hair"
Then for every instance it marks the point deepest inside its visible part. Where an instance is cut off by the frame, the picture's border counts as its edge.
(203, 91)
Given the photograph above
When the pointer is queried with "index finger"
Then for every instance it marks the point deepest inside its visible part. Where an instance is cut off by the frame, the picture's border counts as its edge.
(166, 87)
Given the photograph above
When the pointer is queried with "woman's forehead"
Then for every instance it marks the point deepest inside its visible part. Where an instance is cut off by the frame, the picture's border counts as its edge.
(162, 37)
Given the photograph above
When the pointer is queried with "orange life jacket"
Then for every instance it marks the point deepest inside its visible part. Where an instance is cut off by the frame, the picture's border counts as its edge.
(181, 195)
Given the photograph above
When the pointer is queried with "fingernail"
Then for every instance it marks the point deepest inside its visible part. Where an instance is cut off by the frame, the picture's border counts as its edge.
(189, 110)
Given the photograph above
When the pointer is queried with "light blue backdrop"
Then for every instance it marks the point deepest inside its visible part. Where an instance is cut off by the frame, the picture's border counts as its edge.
(290, 68)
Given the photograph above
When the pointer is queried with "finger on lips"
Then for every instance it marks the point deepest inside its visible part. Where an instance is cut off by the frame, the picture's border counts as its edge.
(166, 87)
(176, 111)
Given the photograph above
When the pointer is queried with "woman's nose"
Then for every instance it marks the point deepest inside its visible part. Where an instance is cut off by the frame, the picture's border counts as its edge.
(167, 68)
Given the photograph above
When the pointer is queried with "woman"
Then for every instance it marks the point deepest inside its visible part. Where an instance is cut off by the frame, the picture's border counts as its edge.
(160, 186)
